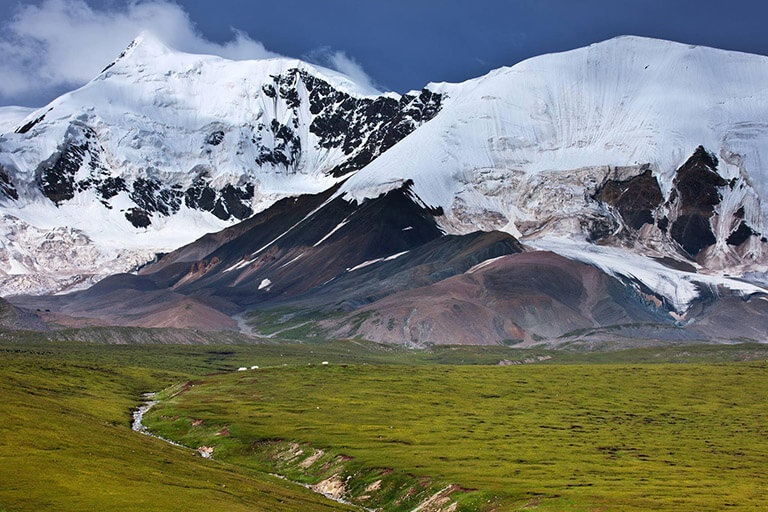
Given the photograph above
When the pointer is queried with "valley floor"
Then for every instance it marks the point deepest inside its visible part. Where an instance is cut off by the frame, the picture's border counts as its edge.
(383, 428)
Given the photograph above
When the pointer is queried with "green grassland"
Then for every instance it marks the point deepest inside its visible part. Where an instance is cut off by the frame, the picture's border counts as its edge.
(546, 437)
(66, 444)
(199, 359)
(552, 433)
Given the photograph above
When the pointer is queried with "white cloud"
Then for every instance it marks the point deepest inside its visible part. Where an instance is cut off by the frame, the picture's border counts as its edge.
(67, 42)
(56, 45)
(345, 64)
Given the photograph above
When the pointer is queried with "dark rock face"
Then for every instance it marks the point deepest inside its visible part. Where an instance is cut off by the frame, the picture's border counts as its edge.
(362, 128)
(685, 218)
(150, 195)
(138, 217)
(693, 233)
(200, 195)
(741, 235)
(111, 186)
(286, 148)
(28, 126)
(635, 198)
(233, 202)
(57, 180)
(695, 195)
(215, 138)
(56, 176)
(6, 185)
(229, 201)
(697, 182)
(367, 126)
(269, 90)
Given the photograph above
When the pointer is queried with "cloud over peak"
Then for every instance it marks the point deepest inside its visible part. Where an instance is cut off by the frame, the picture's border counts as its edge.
(56, 45)
(343, 63)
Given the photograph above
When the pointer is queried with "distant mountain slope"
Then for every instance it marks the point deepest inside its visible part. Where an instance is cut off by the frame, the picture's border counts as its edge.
(14, 318)
(382, 270)
(528, 297)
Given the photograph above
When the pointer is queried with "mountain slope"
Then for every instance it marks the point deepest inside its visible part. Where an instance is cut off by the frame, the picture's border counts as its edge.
(290, 248)
(382, 270)
(163, 147)
(561, 145)
(622, 182)
(527, 297)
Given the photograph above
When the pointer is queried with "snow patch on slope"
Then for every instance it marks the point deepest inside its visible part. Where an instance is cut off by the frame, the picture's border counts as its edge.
(331, 232)
(29, 256)
(678, 287)
(377, 260)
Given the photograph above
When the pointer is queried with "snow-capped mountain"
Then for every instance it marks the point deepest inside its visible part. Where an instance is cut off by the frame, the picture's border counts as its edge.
(163, 147)
(643, 158)
(654, 146)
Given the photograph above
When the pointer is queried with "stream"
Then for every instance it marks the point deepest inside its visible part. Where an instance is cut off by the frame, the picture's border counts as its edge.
(138, 426)
(138, 416)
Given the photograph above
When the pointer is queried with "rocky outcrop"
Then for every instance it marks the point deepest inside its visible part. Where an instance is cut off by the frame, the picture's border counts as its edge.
(701, 219)
(694, 198)
(635, 199)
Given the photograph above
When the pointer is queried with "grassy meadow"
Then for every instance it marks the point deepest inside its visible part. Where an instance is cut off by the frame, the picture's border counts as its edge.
(66, 444)
(545, 437)
(445, 429)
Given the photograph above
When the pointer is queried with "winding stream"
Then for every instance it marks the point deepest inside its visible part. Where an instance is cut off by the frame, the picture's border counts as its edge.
(138, 426)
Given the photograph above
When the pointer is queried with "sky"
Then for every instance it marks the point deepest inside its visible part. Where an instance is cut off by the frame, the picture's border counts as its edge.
(48, 47)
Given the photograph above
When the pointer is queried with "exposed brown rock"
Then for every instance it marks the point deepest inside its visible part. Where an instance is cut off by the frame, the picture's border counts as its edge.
(526, 297)
(694, 198)
(635, 198)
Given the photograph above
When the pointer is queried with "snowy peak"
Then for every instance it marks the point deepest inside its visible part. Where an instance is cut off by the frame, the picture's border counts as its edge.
(589, 146)
(141, 51)
(148, 54)
(626, 101)
(146, 44)
(164, 146)
(659, 46)
(528, 150)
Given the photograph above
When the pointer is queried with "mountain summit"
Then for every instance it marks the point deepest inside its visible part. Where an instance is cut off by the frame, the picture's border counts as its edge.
(164, 146)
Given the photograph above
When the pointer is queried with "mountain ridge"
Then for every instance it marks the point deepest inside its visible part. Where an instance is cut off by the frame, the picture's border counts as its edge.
(164, 152)
(640, 158)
